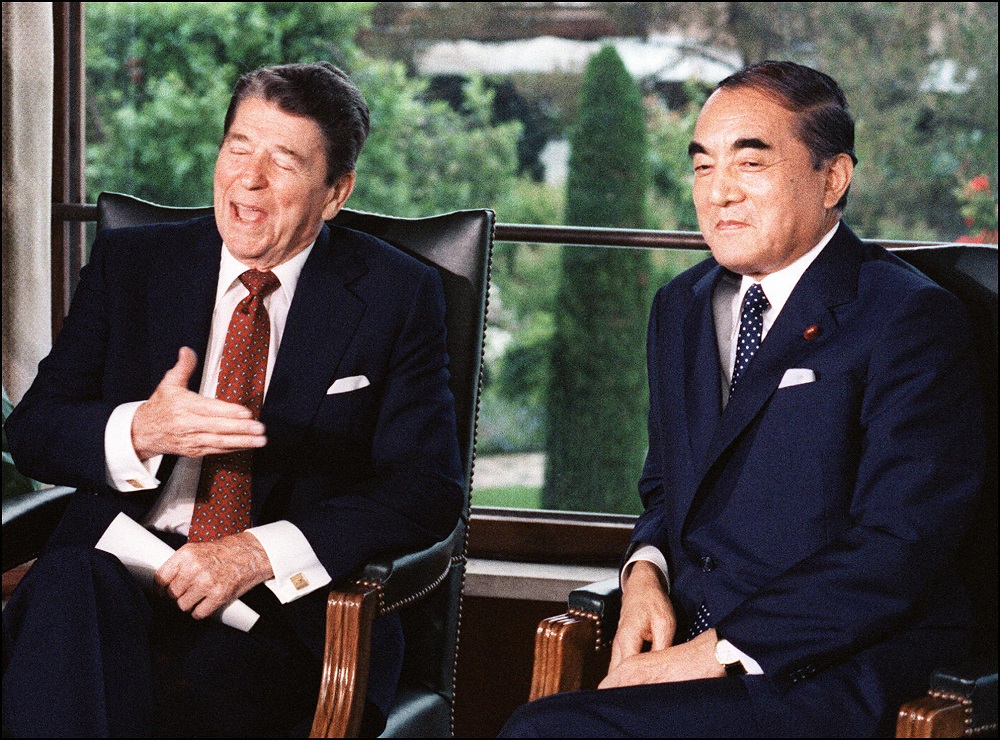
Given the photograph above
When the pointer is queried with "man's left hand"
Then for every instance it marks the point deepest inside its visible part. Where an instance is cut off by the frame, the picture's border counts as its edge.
(202, 577)
(684, 662)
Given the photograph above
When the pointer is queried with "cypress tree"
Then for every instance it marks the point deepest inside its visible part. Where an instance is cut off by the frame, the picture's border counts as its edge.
(597, 399)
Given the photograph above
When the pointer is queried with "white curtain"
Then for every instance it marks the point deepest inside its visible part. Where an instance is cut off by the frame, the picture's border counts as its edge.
(27, 191)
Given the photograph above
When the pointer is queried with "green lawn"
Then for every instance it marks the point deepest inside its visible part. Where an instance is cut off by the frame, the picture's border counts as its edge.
(518, 497)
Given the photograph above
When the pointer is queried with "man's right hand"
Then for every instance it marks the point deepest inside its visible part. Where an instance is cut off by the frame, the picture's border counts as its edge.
(177, 421)
(647, 614)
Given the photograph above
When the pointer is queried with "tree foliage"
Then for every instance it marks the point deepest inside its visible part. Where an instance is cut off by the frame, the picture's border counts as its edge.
(670, 132)
(160, 77)
(921, 79)
(596, 400)
(922, 82)
(424, 157)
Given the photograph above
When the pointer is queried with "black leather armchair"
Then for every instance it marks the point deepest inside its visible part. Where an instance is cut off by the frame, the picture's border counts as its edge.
(425, 587)
(962, 698)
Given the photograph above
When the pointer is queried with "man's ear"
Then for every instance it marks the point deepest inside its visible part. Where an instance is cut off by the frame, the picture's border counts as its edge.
(839, 172)
(338, 194)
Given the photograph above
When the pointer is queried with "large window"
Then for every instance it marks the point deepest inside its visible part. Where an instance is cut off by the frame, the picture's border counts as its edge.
(483, 104)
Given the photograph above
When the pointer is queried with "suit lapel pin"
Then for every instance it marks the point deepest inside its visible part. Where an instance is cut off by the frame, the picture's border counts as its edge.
(812, 332)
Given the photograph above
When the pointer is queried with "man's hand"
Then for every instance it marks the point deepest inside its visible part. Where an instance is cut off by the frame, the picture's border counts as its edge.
(647, 614)
(177, 421)
(205, 576)
(685, 662)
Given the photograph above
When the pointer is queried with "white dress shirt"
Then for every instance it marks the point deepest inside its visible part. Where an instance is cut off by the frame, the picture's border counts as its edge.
(296, 568)
(727, 301)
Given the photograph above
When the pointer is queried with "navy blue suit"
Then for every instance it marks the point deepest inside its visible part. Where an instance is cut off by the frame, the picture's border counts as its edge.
(817, 522)
(370, 471)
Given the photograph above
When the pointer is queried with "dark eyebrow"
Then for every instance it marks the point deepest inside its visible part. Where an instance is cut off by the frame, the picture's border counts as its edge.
(751, 143)
(237, 136)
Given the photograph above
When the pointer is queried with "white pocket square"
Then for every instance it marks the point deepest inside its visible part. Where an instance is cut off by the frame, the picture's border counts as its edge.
(344, 385)
(797, 376)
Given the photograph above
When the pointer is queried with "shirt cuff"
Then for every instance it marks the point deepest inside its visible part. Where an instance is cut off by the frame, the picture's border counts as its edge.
(297, 570)
(123, 469)
(649, 553)
(727, 653)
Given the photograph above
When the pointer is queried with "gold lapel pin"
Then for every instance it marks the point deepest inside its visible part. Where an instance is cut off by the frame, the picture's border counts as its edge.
(812, 332)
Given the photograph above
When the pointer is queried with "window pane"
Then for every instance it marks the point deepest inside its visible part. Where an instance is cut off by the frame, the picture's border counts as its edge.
(563, 417)
(473, 106)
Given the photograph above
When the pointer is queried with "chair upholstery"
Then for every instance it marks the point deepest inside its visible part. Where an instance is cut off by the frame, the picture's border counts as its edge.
(961, 699)
(425, 587)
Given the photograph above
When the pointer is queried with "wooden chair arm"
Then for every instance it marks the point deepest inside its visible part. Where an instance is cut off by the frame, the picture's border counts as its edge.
(341, 703)
(961, 700)
(382, 586)
(562, 645)
(934, 715)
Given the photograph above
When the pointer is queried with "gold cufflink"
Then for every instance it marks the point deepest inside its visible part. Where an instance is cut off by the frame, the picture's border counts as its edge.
(299, 581)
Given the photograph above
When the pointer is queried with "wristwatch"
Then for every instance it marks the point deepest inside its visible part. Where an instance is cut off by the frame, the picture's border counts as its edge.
(730, 657)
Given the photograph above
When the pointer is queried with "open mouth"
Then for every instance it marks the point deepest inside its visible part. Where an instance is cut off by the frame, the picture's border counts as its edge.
(248, 214)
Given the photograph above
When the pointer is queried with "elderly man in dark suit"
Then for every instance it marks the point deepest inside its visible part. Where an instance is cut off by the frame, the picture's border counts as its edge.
(815, 445)
(265, 392)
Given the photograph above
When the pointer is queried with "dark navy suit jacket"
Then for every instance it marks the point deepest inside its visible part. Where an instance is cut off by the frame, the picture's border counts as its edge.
(371, 471)
(818, 521)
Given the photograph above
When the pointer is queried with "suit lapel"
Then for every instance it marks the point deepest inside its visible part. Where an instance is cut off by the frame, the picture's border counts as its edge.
(180, 303)
(702, 369)
(829, 282)
(181, 300)
(322, 320)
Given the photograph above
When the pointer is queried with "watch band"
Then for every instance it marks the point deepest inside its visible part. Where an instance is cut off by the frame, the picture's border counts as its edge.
(730, 657)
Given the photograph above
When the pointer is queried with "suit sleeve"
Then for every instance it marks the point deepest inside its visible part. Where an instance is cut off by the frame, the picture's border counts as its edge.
(650, 526)
(56, 431)
(413, 496)
(919, 470)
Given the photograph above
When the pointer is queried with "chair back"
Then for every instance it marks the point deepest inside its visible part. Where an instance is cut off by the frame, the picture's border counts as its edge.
(970, 272)
(459, 246)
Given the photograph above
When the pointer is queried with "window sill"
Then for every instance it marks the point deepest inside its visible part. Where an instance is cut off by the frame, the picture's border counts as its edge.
(501, 579)
(539, 536)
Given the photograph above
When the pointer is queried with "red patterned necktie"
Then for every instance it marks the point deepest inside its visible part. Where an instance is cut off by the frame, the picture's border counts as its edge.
(223, 503)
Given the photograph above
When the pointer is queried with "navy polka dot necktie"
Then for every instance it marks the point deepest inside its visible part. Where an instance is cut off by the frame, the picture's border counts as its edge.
(222, 506)
(702, 621)
(751, 329)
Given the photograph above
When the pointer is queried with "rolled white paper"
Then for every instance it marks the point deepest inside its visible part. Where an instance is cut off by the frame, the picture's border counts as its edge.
(142, 553)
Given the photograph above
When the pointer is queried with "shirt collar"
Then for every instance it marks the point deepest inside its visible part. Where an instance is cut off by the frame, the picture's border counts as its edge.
(778, 286)
(287, 272)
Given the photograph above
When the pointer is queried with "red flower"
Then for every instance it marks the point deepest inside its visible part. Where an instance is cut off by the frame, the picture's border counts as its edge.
(983, 237)
(979, 184)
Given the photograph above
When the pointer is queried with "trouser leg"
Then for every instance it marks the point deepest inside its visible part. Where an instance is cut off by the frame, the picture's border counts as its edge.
(76, 650)
(214, 681)
(705, 708)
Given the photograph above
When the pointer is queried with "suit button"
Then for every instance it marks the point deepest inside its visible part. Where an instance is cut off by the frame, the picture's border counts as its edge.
(707, 564)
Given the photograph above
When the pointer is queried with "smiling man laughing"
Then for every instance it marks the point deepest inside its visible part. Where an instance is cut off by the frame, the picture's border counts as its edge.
(267, 393)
